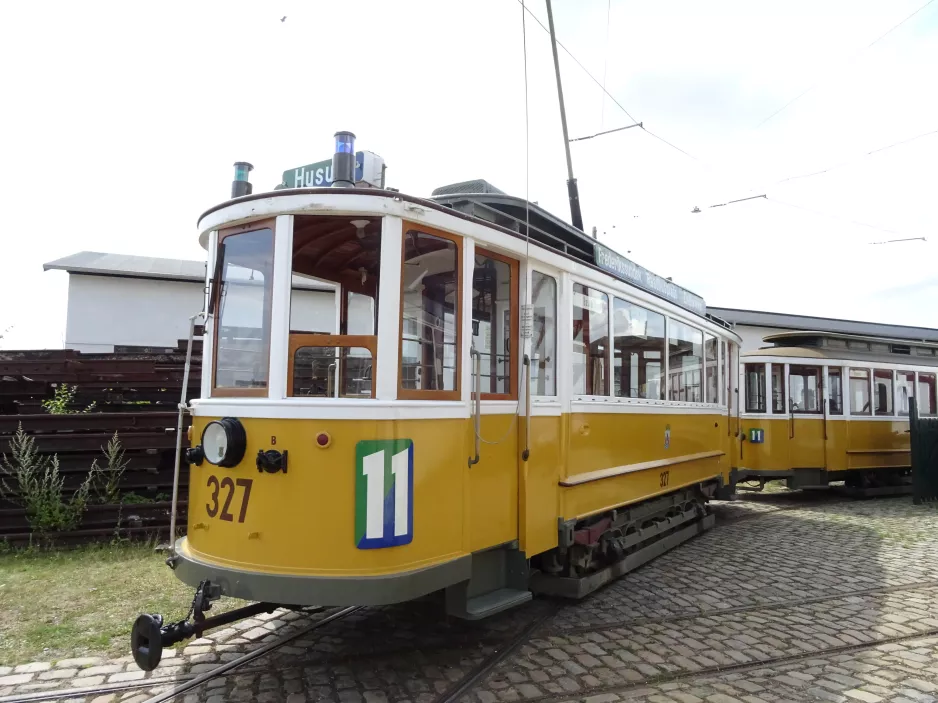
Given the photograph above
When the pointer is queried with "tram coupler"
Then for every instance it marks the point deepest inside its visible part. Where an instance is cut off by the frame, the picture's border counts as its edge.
(149, 635)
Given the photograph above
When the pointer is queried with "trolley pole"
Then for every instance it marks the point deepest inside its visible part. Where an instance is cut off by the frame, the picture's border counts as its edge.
(572, 191)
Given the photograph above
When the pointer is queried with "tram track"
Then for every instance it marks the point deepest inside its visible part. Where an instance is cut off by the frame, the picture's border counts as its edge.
(194, 681)
(504, 647)
(535, 630)
(487, 665)
(716, 612)
(720, 670)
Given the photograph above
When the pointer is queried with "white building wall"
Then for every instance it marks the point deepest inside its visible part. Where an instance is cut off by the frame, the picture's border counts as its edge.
(752, 336)
(313, 311)
(106, 311)
(109, 311)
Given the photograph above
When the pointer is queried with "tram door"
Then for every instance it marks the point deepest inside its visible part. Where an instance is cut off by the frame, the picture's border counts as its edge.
(806, 444)
(493, 479)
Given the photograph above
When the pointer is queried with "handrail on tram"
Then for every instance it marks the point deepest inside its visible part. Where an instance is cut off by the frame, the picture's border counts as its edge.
(477, 403)
(183, 407)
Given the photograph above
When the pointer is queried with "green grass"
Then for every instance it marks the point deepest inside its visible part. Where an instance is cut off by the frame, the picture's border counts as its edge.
(57, 604)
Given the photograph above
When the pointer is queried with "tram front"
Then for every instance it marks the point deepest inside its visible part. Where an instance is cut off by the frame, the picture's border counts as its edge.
(329, 354)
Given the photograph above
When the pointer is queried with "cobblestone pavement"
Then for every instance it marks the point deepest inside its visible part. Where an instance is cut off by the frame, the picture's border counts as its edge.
(790, 598)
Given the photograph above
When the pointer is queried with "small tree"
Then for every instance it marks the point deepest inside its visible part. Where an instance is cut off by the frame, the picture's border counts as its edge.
(58, 404)
(41, 486)
(107, 482)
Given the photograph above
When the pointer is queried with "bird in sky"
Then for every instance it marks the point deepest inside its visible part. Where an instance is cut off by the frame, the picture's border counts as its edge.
(283, 19)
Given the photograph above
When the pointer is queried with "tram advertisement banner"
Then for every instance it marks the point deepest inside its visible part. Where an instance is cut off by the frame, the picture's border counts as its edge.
(629, 271)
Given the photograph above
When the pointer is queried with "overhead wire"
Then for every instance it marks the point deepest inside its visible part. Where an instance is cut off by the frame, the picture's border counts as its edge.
(577, 62)
(906, 239)
(857, 158)
(691, 156)
(814, 85)
(833, 217)
(673, 146)
(603, 88)
(607, 131)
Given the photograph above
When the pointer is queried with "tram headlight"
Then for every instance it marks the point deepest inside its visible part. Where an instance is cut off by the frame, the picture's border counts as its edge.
(224, 442)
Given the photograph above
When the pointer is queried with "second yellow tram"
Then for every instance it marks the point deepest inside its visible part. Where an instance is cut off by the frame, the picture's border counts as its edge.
(821, 407)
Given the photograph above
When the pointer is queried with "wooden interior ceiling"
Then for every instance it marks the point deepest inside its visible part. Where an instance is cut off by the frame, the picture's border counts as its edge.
(329, 248)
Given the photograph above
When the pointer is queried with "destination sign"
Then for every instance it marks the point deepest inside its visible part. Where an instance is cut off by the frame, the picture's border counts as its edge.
(630, 272)
(317, 175)
(369, 170)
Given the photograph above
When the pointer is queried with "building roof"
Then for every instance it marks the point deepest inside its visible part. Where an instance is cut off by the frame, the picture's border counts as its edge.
(96, 263)
(760, 318)
(128, 266)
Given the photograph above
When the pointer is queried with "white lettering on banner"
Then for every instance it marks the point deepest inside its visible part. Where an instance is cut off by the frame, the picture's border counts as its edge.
(633, 273)
(313, 177)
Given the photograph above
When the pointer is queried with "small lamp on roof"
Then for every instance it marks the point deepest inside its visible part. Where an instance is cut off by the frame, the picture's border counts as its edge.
(241, 185)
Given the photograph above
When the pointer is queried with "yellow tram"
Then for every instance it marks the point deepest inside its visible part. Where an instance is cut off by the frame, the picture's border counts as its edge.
(458, 395)
(822, 407)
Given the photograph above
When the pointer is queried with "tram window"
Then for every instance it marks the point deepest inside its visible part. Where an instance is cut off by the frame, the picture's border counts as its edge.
(859, 392)
(882, 388)
(835, 380)
(755, 388)
(544, 341)
(804, 382)
(685, 360)
(778, 389)
(713, 368)
(590, 341)
(430, 302)
(638, 351)
(330, 372)
(243, 318)
(494, 298)
(314, 372)
(926, 394)
(905, 387)
(336, 263)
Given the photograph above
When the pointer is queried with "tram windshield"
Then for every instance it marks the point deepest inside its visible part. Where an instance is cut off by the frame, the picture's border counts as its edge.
(245, 275)
(333, 306)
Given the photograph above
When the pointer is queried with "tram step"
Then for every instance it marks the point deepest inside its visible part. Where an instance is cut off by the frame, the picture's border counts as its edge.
(577, 588)
(494, 602)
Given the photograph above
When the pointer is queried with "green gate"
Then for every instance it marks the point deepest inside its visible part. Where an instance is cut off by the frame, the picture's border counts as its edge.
(924, 440)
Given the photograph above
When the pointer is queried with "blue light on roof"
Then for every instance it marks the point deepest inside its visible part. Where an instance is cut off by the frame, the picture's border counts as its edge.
(344, 143)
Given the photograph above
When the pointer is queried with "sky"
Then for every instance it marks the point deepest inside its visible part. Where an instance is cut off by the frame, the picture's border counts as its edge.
(121, 122)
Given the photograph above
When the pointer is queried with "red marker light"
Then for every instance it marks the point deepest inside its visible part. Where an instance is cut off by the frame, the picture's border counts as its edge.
(323, 440)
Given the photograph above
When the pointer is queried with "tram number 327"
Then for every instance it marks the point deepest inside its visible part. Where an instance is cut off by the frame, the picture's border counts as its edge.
(222, 494)
(663, 478)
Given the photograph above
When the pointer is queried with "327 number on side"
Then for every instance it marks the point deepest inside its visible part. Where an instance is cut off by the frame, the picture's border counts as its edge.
(222, 494)
(663, 478)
